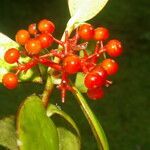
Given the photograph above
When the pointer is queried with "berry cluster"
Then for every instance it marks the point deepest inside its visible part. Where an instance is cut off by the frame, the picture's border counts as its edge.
(36, 43)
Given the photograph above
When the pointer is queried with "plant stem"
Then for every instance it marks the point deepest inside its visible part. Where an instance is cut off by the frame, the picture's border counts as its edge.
(49, 84)
(47, 91)
(93, 121)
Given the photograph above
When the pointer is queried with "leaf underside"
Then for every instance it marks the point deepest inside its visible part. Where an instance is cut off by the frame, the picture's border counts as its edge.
(84, 10)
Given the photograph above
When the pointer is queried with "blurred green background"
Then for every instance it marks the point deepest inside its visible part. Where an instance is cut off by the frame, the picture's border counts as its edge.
(125, 110)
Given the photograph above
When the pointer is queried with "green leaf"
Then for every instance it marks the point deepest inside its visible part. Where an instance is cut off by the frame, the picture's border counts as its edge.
(79, 82)
(6, 43)
(67, 139)
(35, 130)
(83, 10)
(8, 136)
(55, 110)
(31, 75)
(69, 135)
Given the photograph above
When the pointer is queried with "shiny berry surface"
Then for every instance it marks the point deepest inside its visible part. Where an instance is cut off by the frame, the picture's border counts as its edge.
(22, 36)
(46, 26)
(86, 32)
(81, 49)
(32, 29)
(110, 66)
(12, 55)
(114, 48)
(93, 80)
(96, 93)
(101, 71)
(10, 80)
(72, 64)
(33, 46)
(101, 34)
(45, 39)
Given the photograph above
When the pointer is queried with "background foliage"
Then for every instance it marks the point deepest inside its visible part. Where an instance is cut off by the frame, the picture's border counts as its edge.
(124, 112)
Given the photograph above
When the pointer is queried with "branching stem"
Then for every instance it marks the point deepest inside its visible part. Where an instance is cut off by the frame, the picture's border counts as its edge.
(49, 84)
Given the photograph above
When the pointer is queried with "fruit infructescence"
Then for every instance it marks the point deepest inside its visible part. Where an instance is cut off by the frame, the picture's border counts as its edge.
(37, 41)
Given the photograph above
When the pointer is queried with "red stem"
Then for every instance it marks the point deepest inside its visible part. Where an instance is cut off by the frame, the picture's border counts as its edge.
(50, 63)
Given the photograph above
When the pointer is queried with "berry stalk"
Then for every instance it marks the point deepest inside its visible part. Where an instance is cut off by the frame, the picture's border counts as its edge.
(49, 84)
(47, 91)
(93, 121)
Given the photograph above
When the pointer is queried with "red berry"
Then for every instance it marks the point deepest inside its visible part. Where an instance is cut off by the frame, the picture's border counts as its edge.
(114, 48)
(33, 46)
(10, 80)
(101, 34)
(110, 66)
(93, 80)
(72, 64)
(46, 26)
(96, 93)
(32, 29)
(12, 55)
(45, 39)
(22, 36)
(86, 32)
(101, 71)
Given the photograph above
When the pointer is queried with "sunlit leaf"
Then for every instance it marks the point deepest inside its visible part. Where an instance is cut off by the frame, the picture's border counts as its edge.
(83, 10)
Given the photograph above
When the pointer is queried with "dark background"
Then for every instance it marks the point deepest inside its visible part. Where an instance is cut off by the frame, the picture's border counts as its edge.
(125, 110)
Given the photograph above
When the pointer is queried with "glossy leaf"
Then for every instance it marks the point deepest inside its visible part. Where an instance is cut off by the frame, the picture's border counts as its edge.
(69, 135)
(8, 136)
(6, 43)
(83, 10)
(35, 130)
